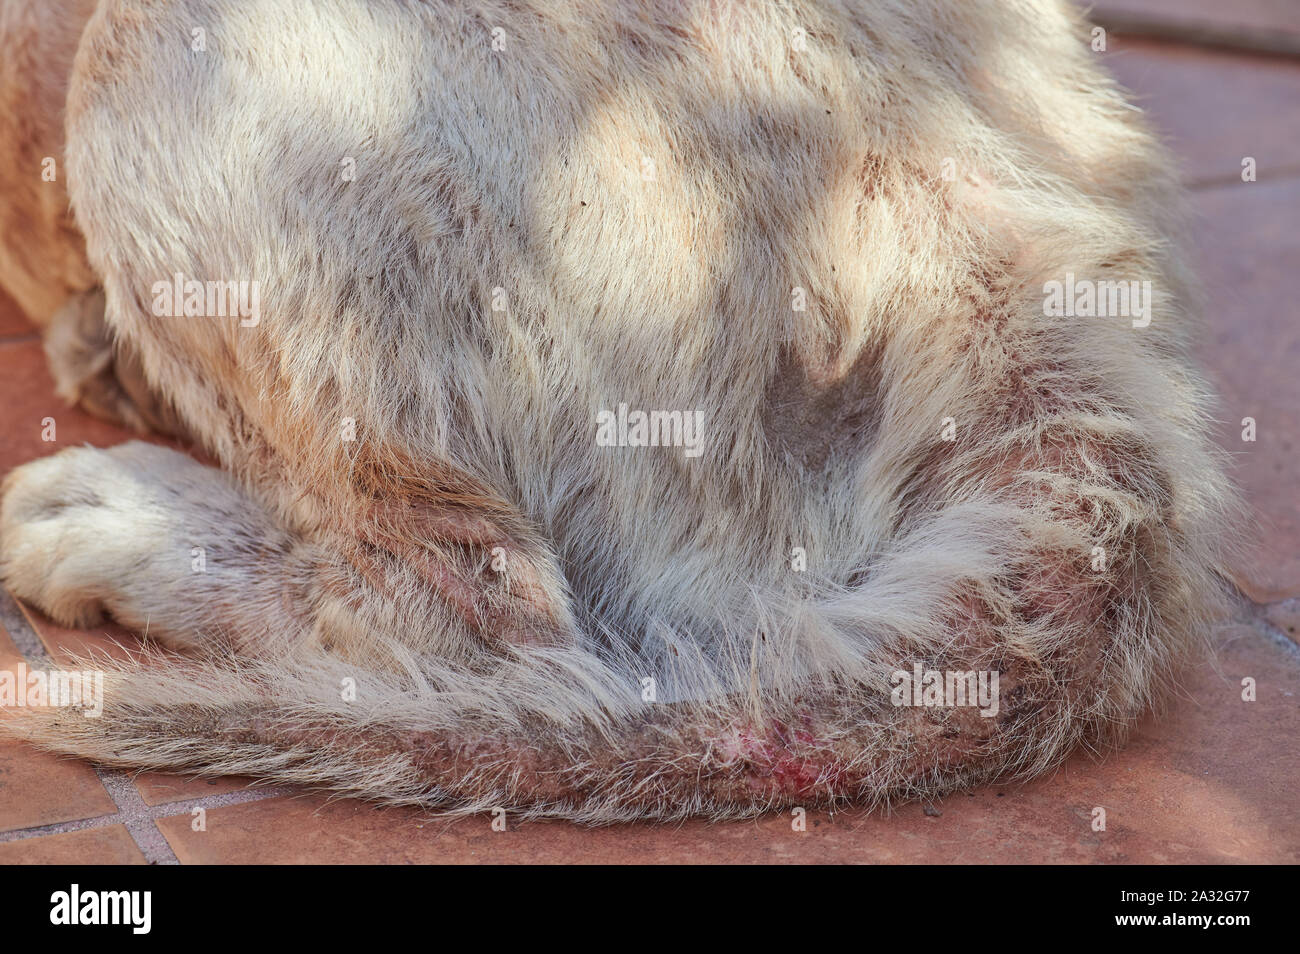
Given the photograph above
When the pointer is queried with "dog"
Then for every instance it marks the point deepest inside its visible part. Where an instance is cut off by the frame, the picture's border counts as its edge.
(618, 411)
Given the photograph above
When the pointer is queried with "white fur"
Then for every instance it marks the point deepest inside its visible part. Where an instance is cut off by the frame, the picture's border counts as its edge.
(775, 168)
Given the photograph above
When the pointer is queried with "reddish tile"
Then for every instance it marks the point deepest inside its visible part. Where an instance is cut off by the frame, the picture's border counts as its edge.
(300, 830)
(111, 845)
(1249, 248)
(13, 323)
(117, 643)
(107, 640)
(1214, 108)
(1211, 782)
(158, 788)
(29, 399)
(39, 788)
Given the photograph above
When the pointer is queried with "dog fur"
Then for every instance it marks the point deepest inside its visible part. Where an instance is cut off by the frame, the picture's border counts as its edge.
(608, 203)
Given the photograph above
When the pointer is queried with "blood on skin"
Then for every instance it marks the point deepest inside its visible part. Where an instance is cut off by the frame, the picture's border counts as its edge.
(780, 760)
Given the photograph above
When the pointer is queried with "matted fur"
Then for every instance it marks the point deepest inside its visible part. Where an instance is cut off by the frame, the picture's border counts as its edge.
(618, 207)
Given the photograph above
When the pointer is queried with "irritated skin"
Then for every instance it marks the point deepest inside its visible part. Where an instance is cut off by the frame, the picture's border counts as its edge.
(824, 228)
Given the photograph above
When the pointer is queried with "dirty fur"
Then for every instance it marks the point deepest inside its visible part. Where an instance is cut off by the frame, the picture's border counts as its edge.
(623, 204)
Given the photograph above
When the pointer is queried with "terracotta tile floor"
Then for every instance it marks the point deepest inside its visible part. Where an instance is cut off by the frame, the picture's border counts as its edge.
(1213, 780)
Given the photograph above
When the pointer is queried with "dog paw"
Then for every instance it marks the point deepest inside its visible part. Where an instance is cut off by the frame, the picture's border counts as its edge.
(149, 536)
(87, 533)
(53, 529)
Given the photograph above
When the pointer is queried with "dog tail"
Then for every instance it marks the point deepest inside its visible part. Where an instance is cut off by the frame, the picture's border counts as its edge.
(578, 734)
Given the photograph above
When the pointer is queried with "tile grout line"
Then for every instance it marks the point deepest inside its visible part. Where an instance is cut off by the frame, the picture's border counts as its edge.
(60, 828)
(1270, 631)
(164, 810)
(133, 812)
(146, 835)
(139, 818)
(20, 631)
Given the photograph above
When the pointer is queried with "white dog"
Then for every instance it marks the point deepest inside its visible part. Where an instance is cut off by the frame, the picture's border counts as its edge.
(622, 410)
